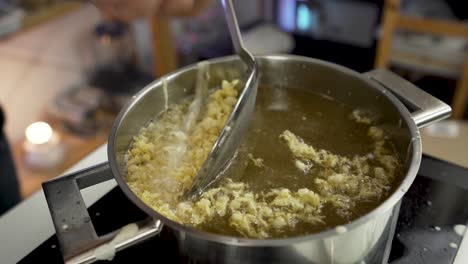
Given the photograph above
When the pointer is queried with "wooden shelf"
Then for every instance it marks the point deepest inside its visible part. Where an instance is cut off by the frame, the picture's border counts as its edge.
(433, 26)
(394, 20)
(426, 64)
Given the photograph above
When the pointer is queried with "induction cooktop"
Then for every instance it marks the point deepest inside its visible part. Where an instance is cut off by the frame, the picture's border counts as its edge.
(429, 230)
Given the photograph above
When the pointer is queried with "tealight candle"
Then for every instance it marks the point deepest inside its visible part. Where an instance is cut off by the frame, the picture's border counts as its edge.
(42, 146)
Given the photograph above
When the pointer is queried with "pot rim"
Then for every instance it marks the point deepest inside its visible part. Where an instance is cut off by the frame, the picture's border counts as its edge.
(388, 204)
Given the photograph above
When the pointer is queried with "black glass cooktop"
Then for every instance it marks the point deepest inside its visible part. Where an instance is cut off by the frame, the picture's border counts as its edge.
(425, 231)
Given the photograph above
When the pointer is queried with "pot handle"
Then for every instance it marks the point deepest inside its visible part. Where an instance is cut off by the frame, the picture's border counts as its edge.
(424, 108)
(77, 237)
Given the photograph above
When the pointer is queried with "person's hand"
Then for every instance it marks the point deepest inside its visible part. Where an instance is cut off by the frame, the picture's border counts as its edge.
(129, 9)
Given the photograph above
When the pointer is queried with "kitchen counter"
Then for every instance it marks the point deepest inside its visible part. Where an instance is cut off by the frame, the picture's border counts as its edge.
(29, 224)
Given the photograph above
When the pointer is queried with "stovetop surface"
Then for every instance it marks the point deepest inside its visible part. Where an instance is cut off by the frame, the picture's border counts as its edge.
(425, 233)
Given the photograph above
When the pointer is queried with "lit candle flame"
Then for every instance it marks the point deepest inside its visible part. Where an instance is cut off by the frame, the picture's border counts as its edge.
(39, 133)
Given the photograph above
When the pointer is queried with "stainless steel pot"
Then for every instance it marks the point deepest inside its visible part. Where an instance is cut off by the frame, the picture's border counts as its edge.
(401, 108)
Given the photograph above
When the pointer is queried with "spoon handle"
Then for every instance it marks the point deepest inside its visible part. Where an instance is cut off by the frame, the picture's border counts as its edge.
(233, 25)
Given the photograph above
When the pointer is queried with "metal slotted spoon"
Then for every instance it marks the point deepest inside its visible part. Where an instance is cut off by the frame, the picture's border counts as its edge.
(236, 126)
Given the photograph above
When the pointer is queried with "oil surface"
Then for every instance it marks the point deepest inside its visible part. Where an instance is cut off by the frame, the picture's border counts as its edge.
(321, 122)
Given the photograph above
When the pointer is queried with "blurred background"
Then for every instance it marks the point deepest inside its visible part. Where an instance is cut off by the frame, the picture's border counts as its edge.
(66, 70)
